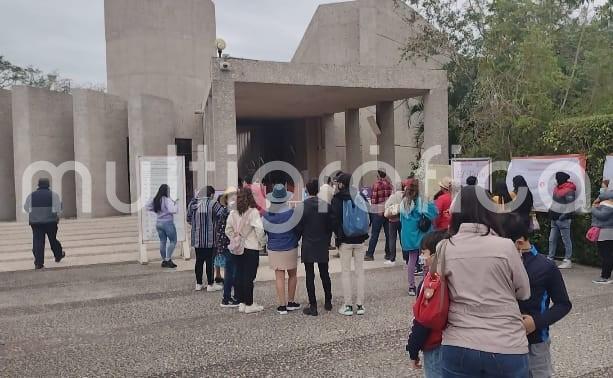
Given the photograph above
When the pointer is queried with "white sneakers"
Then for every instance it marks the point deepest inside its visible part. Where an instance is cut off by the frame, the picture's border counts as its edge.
(214, 287)
(253, 308)
(566, 264)
(389, 262)
(198, 287)
(346, 310)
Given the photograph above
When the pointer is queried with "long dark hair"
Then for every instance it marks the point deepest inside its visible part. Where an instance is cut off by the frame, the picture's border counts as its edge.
(467, 208)
(163, 191)
(526, 206)
(502, 191)
(245, 201)
(411, 192)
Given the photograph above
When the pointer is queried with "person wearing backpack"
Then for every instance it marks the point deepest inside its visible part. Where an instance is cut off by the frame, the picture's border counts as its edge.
(416, 216)
(350, 221)
(245, 230)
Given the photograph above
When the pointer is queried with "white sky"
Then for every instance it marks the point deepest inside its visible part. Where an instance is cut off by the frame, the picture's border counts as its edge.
(68, 35)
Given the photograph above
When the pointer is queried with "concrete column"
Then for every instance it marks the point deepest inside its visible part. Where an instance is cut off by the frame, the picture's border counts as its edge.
(43, 133)
(101, 136)
(224, 143)
(7, 178)
(386, 141)
(329, 139)
(352, 140)
(436, 119)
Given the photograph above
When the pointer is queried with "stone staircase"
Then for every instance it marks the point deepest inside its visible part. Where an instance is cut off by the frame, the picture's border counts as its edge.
(86, 242)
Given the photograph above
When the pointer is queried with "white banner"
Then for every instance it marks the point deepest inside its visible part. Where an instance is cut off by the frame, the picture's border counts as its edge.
(608, 171)
(540, 174)
(153, 172)
(481, 168)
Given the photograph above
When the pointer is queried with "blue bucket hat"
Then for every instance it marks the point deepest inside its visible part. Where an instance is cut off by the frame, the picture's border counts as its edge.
(279, 194)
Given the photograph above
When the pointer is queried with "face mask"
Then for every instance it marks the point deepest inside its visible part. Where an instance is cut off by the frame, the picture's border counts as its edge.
(232, 204)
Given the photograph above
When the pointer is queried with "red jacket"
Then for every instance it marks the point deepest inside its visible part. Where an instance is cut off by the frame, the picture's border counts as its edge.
(443, 204)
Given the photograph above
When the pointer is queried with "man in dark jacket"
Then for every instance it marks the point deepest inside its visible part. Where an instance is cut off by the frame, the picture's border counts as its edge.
(561, 213)
(546, 286)
(44, 208)
(314, 227)
(350, 247)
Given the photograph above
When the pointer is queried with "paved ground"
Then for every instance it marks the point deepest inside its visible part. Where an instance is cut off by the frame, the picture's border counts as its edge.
(133, 320)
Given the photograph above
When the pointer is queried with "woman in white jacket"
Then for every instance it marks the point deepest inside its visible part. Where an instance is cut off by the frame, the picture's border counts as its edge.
(246, 221)
(392, 213)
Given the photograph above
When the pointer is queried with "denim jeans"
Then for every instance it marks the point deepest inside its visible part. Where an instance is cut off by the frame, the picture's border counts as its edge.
(463, 362)
(560, 227)
(394, 235)
(378, 222)
(167, 230)
(433, 363)
(229, 276)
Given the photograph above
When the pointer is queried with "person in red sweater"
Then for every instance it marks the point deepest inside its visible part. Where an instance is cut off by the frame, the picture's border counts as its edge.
(442, 201)
(381, 191)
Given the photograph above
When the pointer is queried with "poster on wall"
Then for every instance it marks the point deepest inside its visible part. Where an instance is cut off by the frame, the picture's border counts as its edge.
(481, 168)
(540, 174)
(608, 171)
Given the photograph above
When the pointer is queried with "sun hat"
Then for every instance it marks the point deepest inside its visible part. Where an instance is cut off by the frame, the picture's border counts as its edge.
(445, 183)
(223, 199)
(279, 194)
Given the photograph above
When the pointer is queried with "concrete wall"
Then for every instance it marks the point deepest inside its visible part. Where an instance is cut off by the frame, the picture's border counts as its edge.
(43, 131)
(151, 129)
(101, 136)
(162, 48)
(7, 183)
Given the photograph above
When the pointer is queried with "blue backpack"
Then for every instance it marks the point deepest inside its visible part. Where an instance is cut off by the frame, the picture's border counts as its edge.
(355, 217)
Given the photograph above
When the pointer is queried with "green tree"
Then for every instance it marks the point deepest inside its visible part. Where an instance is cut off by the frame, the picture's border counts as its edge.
(11, 75)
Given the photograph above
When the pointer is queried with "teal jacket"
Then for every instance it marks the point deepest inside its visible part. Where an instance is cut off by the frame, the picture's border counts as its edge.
(410, 234)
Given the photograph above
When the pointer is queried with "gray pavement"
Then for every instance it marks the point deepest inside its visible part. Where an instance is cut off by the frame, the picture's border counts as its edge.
(133, 320)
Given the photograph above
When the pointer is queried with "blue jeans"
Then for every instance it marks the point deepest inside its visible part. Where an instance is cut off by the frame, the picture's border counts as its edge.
(229, 274)
(463, 363)
(378, 222)
(433, 363)
(560, 227)
(167, 230)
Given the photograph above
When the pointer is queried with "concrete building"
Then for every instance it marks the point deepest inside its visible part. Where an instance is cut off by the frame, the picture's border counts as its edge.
(344, 96)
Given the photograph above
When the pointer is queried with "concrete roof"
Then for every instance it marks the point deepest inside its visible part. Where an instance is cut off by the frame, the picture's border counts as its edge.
(293, 90)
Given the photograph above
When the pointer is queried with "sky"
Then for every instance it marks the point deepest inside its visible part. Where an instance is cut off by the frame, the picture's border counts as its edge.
(68, 35)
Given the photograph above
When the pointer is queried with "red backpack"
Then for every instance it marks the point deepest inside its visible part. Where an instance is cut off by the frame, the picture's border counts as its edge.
(432, 305)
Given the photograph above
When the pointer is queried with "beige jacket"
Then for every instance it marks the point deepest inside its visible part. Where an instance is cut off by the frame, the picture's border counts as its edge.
(486, 278)
(253, 228)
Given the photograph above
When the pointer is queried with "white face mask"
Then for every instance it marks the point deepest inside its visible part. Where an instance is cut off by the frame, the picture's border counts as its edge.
(232, 204)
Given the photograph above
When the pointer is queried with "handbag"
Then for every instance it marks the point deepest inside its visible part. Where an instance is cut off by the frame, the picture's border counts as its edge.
(431, 309)
(237, 241)
(392, 212)
(592, 234)
(424, 223)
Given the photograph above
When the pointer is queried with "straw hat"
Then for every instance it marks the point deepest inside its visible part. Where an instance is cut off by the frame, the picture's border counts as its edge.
(445, 183)
(223, 199)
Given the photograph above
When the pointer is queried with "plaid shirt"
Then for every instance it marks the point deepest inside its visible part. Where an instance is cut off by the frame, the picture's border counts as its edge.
(381, 191)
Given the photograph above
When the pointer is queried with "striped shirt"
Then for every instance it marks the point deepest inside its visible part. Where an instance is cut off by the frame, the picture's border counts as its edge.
(202, 214)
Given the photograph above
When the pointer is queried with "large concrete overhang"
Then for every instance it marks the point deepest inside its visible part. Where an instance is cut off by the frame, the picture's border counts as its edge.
(292, 90)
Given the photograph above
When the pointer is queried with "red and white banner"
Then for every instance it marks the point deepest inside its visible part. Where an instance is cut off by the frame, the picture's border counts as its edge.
(540, 174)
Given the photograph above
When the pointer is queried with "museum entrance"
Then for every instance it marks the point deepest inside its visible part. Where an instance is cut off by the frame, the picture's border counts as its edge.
(261, 141)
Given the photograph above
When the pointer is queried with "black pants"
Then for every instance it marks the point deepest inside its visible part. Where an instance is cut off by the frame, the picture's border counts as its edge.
(246, 270)
(38, 242)
(325, 281)
(605, 248)
(204, 255)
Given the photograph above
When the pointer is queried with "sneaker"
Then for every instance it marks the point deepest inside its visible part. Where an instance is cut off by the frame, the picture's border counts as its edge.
(603, 281)
(389, 262)
(198, 287)
(165, 264)
(360, 310)
(253, 308)
(58, 259)
(550, 258)
(346, 310)
(328, 305)
(229, 303)
(218, 280)
(412, 292)
(293, 306)
(241, 307)
(310, 311)
(566, 264)
(38, 267)
(369, 258)
(214, 287)
(171, 264)
(282, 310)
